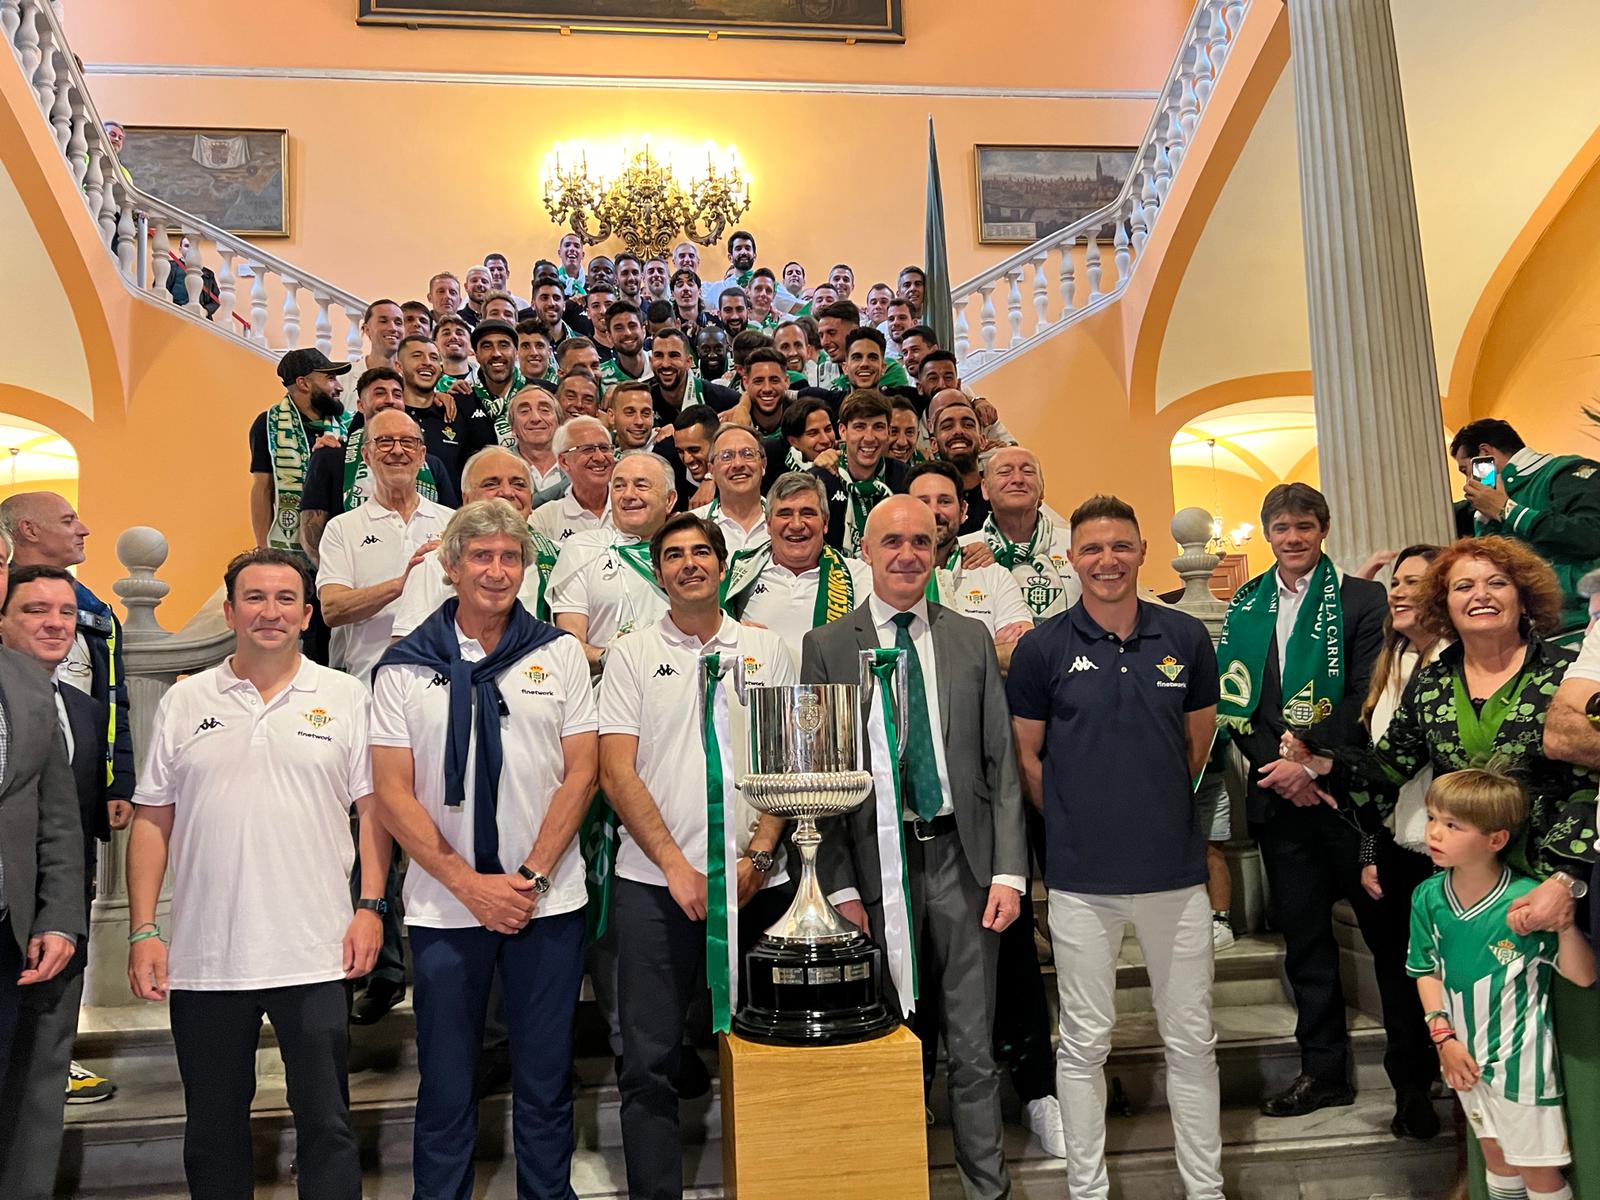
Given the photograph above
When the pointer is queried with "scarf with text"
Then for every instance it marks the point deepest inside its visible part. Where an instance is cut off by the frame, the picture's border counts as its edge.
(1034, 553)
(289, 438)
(1311, 666)
(836, 588)
(499, 410)
(357, 474)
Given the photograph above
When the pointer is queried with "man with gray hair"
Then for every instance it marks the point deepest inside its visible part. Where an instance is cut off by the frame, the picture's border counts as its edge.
(795, 581)
(496, 885)
(584, 452)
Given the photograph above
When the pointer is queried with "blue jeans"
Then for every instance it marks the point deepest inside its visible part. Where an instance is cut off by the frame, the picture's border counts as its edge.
(541, 969)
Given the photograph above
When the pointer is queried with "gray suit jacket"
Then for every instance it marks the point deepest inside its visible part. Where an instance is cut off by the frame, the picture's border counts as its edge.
(977, 744)
(41, 834)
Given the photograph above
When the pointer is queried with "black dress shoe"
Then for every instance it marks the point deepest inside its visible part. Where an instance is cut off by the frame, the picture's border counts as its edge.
(378, 999)
(1307, 1094)
(1414, 1117)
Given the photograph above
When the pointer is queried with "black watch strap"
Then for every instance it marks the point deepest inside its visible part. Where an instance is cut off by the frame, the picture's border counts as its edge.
(381, 907)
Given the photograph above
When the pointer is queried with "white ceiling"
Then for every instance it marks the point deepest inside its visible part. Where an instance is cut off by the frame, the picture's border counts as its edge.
(30, 453)
(1261, 439)
(1497, 104)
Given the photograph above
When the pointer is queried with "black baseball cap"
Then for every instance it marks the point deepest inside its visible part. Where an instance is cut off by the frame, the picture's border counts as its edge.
(298, 363)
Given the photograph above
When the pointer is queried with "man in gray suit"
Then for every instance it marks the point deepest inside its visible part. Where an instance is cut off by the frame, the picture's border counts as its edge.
(966, 852)
(42, 917)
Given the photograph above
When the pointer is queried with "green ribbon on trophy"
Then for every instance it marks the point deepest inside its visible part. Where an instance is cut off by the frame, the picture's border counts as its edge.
(883, 737)
(1313, 670)
(722, 900)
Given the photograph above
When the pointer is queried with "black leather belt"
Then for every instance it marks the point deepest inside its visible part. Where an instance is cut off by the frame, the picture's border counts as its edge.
(926, 831)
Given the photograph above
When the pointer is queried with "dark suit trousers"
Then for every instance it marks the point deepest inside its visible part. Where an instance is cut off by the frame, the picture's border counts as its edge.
(1311, 859)
(10, 995)
(1022, 1012)
(215, 1034)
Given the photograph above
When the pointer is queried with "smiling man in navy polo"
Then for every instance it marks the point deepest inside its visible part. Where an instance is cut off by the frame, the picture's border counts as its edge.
(1113, 703)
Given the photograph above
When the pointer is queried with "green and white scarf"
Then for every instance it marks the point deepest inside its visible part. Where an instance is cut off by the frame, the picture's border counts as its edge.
(290, 444)
(637, 556)
(722, 855)
(545, 553)
(499, 410)
(356, 473)
(836, 587)
(1034, 554)
(1312, 665)
(860, 499)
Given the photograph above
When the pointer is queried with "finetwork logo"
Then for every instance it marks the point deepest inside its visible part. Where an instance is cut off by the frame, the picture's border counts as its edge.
(1081, 664)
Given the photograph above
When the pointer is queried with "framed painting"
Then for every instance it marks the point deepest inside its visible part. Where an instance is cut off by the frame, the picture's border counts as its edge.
(237, 179)
(1028, 192)
(828, 20)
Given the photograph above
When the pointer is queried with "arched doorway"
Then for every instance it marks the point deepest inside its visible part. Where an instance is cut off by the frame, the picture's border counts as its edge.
(35, 458)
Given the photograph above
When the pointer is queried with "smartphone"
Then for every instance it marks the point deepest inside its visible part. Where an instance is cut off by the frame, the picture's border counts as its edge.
(1483, 470)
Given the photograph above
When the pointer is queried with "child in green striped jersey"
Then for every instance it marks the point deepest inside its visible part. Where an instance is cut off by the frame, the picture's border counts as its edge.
(1485, 988)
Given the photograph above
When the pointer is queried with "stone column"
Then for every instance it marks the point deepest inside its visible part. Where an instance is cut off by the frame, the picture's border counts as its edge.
(1379, 433)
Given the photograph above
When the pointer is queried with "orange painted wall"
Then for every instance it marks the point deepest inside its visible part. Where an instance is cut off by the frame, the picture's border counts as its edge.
(391, 181)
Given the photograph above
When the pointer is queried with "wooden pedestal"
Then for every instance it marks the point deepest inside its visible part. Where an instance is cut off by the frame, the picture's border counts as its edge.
(846, 1122)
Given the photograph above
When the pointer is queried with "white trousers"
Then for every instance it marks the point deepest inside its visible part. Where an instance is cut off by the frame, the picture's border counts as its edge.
(1174, 930)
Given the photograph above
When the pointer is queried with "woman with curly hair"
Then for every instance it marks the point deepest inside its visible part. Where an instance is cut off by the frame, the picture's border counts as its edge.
(1484, 700)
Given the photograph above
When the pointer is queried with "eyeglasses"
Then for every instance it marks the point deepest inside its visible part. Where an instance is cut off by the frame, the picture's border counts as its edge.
(747, 454)
(383, 445)
(590, 448)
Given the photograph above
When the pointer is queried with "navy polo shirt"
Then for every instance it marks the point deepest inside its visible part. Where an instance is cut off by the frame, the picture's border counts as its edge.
(1119, 807)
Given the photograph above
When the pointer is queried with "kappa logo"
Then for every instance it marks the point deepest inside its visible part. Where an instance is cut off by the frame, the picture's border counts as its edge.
(665, 669)
(1505, 951)
(537, 675)
(1081, 664)
(439, 680)
(760, 589)
(1171, 668)
(208, 724)
(371, 539)
(838, 497)
(318, 717)
(566, 533)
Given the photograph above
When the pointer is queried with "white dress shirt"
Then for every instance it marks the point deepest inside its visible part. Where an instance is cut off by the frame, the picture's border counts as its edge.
(1290, 597)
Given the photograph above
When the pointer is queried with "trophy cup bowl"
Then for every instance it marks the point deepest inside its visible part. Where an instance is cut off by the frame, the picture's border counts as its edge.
(814, 978)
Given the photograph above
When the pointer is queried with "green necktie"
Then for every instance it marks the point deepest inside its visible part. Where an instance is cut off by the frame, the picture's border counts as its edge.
(922, 769)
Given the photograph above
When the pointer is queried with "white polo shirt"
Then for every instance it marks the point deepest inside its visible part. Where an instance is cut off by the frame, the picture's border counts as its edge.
(427, 587)
(261, 851)
(549, 698)
(592, 578)
(988, 594)
(1587, 664)
(732, 532)
(650, 690)
(364, 546)
(785, 602)
(564, 516)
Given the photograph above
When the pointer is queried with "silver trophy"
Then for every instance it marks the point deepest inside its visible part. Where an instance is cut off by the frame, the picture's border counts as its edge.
(814, 978)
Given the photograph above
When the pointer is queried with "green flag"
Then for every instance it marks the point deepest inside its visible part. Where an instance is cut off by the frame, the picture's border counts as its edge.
(936, 296)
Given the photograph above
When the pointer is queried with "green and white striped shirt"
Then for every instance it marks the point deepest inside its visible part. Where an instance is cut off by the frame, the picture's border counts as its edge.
(1496, 983)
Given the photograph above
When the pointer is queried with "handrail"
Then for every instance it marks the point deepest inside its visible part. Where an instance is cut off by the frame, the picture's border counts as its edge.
(1204, 48)
(144, 249)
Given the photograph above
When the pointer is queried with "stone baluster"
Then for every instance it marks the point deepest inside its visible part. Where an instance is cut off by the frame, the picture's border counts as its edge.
(1191, 529)
(1014, 304)
(10, 19)
(1041, 294)
(1066, 286)
(127, 237)
(258, 304)
(1163, 172)
(193, 280)
(78, 143)
(1149, 194)
(986, 316)
(1138, 222)
(161, 255)
(44, 72)
(1188, 108)
(227, 287)
(323, 324)
(94, 180)
(353, 346)
(61, 107)
(1124, 257)
(1203, 79)
(142, 551)
(963, 338)
(27, 39)
(1234, 12)
(1091, 265)
(1217, 43)
(291, 313)
(108, 214)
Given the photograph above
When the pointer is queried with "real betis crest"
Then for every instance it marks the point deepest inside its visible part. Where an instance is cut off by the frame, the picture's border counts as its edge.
(1171, 668)
(318, 717)
(536, 674)
(1040, 593)
(1505, 952)
(1304, 711)
(752, 665)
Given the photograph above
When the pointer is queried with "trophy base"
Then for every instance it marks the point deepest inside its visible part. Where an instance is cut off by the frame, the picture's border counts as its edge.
(814, 993)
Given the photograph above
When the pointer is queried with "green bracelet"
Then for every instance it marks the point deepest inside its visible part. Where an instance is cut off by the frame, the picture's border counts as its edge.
(143, 937)
(1438, 1012)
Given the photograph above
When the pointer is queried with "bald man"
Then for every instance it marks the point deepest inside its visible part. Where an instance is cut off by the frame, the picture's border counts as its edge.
(965, 849)
(43, 529)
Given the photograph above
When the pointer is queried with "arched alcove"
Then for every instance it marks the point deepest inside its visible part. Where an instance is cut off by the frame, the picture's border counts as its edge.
(35, 458)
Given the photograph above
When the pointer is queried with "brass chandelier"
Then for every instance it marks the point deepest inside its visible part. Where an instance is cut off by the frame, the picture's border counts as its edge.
(643, 202)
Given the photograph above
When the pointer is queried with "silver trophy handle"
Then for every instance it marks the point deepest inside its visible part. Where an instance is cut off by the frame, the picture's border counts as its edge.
(739, 685)
(869, 689)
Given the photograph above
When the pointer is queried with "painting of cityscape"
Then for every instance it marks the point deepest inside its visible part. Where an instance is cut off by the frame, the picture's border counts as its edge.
(1028, 192)
(237, 179)
(834, 20)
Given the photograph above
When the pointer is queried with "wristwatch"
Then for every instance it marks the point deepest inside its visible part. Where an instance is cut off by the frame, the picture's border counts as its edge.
(1578, 887)
(1592, 710)
(761, 860)
(541, 883)
(381, 907)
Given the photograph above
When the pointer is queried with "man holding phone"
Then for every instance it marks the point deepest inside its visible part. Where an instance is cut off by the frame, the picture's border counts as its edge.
(1550, 502)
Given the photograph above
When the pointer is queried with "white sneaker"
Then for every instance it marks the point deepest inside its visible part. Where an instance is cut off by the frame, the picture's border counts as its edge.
(1221, 935)
(1044, 1122)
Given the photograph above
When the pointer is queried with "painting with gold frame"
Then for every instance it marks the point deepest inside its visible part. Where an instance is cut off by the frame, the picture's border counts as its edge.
(827, 20)
(1028, 192)
(237, 179)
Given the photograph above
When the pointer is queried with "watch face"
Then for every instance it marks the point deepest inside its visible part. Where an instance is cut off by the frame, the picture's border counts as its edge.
(541, 884)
